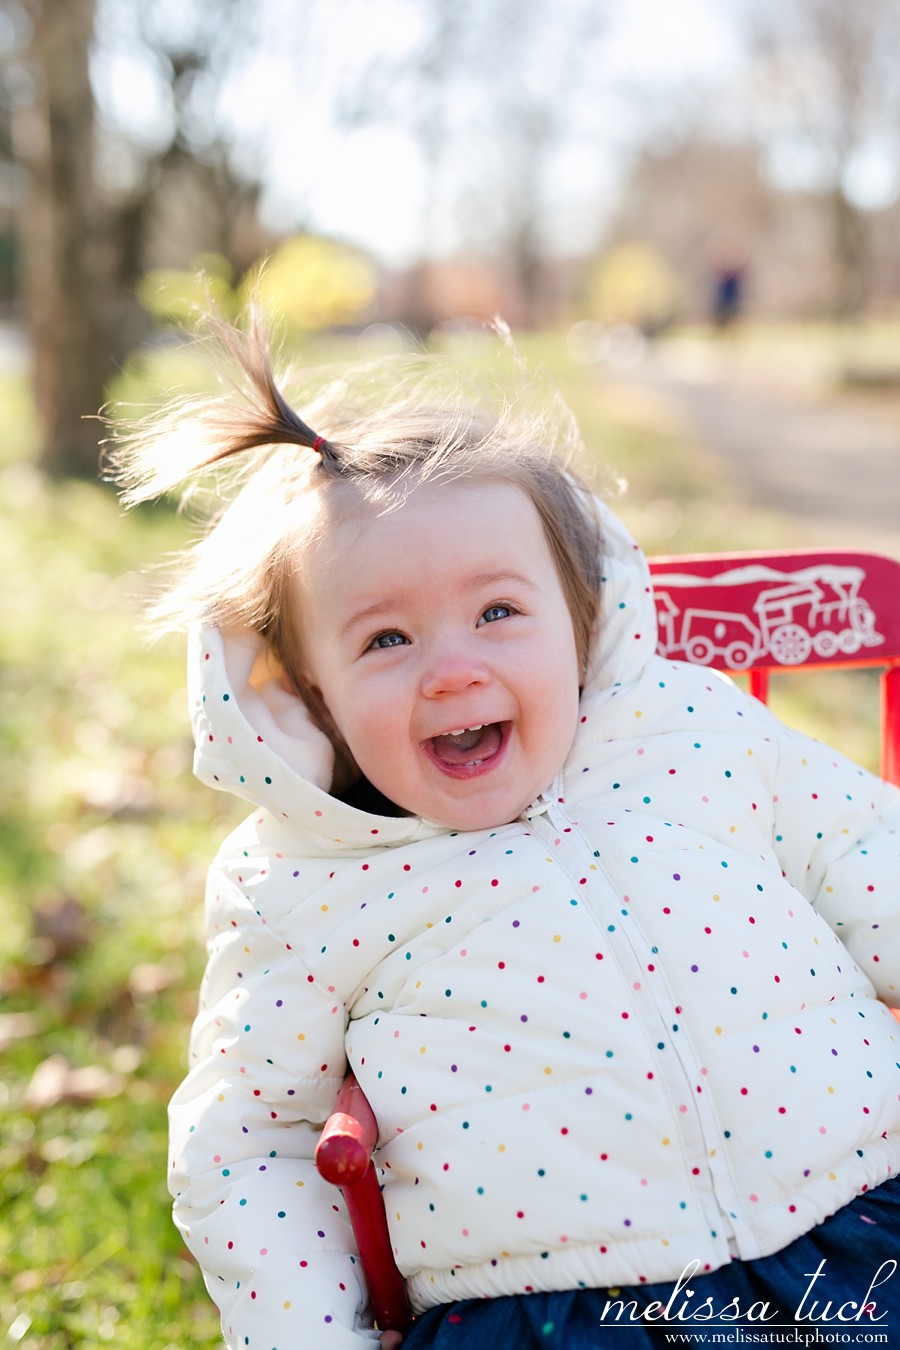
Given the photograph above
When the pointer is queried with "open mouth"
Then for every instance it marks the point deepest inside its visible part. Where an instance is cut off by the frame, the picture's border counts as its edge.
(468, 750)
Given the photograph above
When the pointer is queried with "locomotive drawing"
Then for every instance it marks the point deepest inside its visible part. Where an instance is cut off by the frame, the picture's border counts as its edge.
(814, 609)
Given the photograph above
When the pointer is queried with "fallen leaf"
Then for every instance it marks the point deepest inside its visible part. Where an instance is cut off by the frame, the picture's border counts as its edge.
(150, 978)
(55, 1081)
(16, 1027)
(61, 929)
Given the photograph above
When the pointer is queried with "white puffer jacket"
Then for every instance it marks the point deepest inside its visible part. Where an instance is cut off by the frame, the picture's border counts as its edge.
(637, 1029)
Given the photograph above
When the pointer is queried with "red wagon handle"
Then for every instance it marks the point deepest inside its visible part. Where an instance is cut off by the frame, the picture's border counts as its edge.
(344, 1157)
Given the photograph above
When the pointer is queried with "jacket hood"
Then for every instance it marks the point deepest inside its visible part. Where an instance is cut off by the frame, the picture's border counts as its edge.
(254, 738)
(626, 634)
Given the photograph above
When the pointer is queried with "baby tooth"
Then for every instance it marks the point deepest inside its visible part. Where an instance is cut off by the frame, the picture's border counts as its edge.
(461, 731)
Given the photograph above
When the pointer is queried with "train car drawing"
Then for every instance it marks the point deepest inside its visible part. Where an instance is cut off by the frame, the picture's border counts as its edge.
(814, 609)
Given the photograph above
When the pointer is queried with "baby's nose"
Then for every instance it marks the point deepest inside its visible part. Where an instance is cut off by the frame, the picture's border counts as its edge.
(452, 670)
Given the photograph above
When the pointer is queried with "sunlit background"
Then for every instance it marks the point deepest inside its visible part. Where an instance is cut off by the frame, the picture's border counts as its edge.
(688, 211)
(419, 162)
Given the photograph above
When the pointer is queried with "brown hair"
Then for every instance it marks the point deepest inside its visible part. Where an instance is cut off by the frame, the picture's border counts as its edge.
(380, 433)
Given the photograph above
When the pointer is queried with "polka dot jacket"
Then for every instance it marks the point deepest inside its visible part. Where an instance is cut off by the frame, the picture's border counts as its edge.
(644, 1025)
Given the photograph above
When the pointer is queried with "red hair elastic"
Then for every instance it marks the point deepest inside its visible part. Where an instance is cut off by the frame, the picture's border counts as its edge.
(318, 443)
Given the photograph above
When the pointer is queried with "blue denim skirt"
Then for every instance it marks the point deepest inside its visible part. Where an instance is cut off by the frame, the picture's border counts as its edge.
(860, 1246)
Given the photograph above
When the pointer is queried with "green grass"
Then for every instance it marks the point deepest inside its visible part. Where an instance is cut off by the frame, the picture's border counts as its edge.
(104, 841)
(97, 810)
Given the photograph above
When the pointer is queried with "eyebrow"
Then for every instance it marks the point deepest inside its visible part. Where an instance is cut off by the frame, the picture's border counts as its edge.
(497, 578)
(391, 604)
(370, 612)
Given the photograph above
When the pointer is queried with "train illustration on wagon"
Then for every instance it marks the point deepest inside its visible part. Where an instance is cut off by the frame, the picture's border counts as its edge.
(793, 614)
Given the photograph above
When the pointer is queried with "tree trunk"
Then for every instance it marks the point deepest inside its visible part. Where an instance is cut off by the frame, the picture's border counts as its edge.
(69, 291)
(850, 245)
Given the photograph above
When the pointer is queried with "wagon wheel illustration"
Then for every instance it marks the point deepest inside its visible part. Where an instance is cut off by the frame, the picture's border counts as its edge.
(790, 644)
(850, 641)
(826, 643)
(739, 655)
(699, 650)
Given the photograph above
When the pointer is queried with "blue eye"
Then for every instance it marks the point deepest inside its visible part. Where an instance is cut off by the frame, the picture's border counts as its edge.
(391, 639)
(495, 612)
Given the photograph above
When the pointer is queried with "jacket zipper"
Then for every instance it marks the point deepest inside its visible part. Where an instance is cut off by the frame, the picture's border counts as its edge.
(638, 954)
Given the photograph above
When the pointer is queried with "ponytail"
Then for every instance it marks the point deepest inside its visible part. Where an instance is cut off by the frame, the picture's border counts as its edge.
(191, 436)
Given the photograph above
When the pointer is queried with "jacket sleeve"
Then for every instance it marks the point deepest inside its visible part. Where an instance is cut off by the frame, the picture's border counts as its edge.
(837, 836)
(267, 1049)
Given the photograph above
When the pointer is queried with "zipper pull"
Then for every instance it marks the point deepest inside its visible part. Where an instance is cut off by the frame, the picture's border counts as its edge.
(539, 807)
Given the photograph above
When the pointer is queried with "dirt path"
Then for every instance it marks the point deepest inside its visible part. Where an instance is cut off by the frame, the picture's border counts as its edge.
(833, 464)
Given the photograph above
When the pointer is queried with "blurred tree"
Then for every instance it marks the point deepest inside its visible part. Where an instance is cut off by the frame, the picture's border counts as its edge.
(542, 66)
(830, 101)
(105, 201)
(175, 295)
(633, 284)
(495, 94)
(16, 89)
(167, 160)
(67, 263)
(308, 282)
(683, 201)
(314, 283)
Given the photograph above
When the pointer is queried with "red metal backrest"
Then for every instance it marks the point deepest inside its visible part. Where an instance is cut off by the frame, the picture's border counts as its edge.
(786, 611)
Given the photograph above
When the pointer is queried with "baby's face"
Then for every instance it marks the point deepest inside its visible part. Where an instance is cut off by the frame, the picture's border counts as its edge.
(440, 640)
